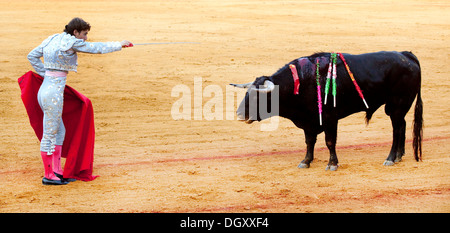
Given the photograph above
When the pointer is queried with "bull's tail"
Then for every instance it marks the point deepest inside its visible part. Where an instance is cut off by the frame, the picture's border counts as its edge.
(418, 131)
(418, 115)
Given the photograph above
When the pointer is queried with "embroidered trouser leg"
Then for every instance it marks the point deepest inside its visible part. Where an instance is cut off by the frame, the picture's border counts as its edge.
(50, 98)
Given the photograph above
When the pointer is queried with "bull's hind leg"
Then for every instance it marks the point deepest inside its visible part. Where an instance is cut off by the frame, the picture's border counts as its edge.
(401, 143)
(398, 142)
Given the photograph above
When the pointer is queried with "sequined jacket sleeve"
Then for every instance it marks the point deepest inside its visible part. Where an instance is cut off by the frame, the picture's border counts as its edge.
(34, 57)
(96, 47)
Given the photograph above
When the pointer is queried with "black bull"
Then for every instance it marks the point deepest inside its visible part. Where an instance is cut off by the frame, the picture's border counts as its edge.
(390, 78)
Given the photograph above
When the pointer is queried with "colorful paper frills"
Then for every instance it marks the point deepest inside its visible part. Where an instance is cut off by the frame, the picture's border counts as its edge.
(296, 79)
(327, 84)
(331, 75)
(330, 81)
(334, 57)
(319, 94)
(353, 79)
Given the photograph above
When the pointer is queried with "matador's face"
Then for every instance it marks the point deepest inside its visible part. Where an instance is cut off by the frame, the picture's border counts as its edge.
(81, 35)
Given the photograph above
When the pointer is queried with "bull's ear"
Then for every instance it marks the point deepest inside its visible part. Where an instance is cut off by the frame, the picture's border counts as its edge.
(244, 85)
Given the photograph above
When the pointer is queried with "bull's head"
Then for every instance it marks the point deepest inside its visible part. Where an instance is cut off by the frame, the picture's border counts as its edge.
(262, 95)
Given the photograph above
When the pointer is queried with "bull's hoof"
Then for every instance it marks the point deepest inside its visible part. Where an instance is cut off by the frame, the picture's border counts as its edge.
(303, 165)
(397, 160)
(388, 163)
(331, 167)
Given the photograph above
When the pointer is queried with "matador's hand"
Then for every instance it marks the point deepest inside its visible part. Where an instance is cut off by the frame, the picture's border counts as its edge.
(126, 44)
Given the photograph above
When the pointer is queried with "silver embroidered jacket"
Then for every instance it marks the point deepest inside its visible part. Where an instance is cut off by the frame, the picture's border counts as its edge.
(60, 52)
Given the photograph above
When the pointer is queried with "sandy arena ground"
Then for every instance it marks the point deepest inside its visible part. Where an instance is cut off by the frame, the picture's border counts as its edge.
(149, 162)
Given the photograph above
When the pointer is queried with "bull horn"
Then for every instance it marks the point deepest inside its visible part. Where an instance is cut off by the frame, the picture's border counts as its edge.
(268, 87)
(245, 85)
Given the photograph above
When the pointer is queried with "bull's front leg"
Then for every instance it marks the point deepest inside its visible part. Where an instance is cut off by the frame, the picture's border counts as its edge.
(330, 140)
(310, 139)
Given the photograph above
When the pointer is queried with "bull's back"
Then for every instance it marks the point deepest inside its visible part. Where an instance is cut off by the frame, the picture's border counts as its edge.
(384, 78)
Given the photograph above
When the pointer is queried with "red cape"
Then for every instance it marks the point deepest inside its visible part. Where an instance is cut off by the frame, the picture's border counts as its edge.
(78, 118)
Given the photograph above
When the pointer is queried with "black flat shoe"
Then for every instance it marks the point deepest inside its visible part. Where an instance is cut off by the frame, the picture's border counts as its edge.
(46, 181)
(64, 179)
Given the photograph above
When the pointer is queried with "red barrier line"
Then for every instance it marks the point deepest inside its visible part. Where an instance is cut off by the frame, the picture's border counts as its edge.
(248, 155)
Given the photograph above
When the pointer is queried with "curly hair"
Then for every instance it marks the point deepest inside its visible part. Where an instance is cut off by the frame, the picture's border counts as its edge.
(77, 24)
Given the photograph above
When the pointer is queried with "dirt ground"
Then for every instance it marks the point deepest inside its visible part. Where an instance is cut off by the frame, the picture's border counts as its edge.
(149, 162)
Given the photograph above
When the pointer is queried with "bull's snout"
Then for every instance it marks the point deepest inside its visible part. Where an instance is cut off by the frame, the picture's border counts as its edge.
(242, 111)
(242, 117)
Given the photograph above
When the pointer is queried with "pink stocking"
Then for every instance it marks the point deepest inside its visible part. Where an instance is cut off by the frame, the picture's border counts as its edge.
(47, 160)
(56, 157)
